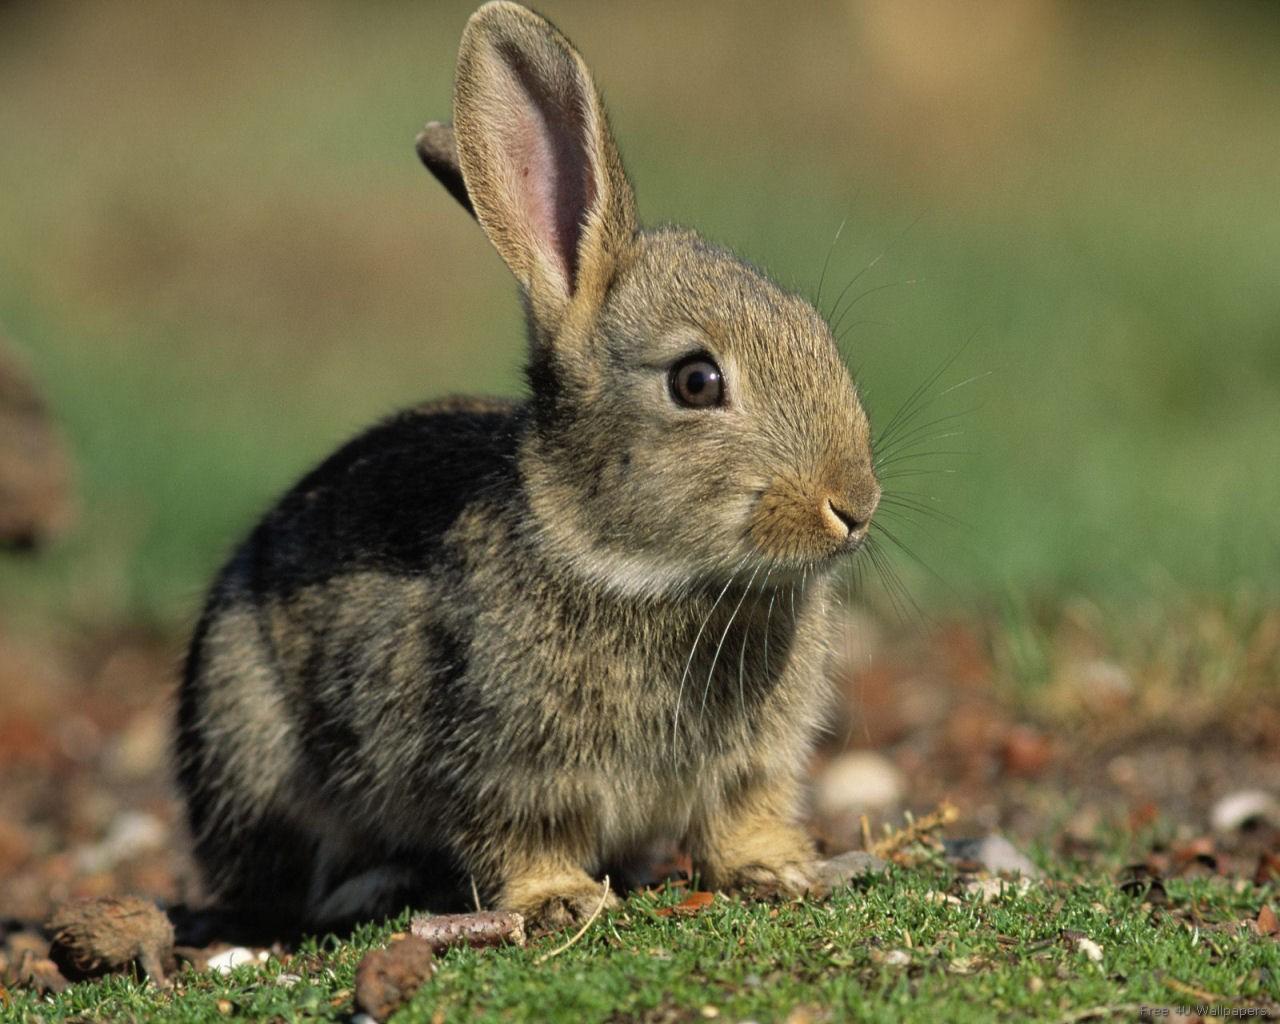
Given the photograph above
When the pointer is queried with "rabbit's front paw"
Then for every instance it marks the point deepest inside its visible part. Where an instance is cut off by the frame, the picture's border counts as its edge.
(785, 880)
(552, 902)
(566, 909)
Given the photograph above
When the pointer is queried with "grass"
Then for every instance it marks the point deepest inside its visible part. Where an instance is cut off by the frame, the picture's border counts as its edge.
(888, 949)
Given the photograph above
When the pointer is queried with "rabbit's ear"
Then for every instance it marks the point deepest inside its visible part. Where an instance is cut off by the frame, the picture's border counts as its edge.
(439, 154)
(540, 164)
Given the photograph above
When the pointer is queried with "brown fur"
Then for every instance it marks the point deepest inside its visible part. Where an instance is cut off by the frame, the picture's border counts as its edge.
(520, 641)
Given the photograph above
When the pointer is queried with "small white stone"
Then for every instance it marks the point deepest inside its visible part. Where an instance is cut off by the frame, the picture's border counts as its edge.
(1235, 809)
(1090, 949)
(288, 980)
(998, 855)
(229, 959)
(897, 958)
(858, 781)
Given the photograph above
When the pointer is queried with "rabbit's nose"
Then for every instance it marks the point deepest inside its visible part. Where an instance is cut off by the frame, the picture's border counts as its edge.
(849, 518)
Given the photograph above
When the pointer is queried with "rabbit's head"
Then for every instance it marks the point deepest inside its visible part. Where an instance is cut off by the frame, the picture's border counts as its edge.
(690, 420)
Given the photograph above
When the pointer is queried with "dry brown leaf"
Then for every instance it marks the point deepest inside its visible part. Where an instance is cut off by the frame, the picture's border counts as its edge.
(1267, 922)
(694, 903)
(1268, 868)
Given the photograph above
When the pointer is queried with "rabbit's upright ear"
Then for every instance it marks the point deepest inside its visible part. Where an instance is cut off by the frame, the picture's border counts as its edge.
(540, 164)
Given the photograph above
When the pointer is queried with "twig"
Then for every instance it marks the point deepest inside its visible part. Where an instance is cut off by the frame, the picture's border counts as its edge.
(604, 898)
(915, 831)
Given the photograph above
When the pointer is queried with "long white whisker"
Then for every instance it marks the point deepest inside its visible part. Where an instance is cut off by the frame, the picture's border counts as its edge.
(675, 717)
(706, 690)
(746, 634)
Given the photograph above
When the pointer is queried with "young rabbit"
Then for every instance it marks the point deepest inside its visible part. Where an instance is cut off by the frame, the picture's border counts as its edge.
(517, 642)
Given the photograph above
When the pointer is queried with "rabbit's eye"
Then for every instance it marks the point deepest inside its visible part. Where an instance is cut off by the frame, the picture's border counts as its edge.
(696, 382)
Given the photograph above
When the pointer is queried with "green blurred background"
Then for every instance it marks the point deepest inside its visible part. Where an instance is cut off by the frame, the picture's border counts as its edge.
(221, 258)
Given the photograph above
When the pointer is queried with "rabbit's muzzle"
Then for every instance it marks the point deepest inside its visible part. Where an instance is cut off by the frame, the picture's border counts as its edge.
(803, 521)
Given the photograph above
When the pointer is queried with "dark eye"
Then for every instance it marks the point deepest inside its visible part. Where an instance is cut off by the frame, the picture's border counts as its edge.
(696, 382)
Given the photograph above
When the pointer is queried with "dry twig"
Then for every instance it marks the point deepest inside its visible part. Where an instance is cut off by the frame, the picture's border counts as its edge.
(915, 831)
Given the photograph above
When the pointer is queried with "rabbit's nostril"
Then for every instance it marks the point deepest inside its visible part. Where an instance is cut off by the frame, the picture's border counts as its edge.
(844, 517)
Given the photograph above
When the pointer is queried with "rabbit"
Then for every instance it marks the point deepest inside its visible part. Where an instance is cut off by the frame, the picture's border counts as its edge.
(511, 643)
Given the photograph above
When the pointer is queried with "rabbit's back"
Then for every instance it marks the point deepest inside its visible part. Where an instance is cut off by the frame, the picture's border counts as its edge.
(305, 707)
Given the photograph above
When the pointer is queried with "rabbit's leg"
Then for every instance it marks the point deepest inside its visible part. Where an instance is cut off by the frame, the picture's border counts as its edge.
(551, 891)
(754, 841)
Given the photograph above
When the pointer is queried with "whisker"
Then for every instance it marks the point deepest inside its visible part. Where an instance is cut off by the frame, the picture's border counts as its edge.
(908, 608)
(914, 557)
(675, 718)
(706, 690)
(965, 383)
(835, 328)
(883, 253)
(883, 446)
(891, 502)
(907, 445)
(912, 456)
(768, 621)
(746, 634)
(909, 407)
(817, 298)
(903, 474)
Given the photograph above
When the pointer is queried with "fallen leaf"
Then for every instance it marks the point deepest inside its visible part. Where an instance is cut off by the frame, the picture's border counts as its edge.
(693, 903)
(1026, 751)
(1267, 922)
(1268, 868)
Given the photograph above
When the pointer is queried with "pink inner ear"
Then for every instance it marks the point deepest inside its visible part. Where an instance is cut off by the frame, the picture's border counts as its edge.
(551, 168)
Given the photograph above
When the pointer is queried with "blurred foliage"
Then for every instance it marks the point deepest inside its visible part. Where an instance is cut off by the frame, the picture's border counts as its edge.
(222, 258)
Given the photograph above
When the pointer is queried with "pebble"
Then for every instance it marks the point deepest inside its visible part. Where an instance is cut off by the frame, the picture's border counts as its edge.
(237, 956)
(846, 867)
(1090, 949)
(1235, 810)
(1103, 686)
(858, 782)
(992, 853)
